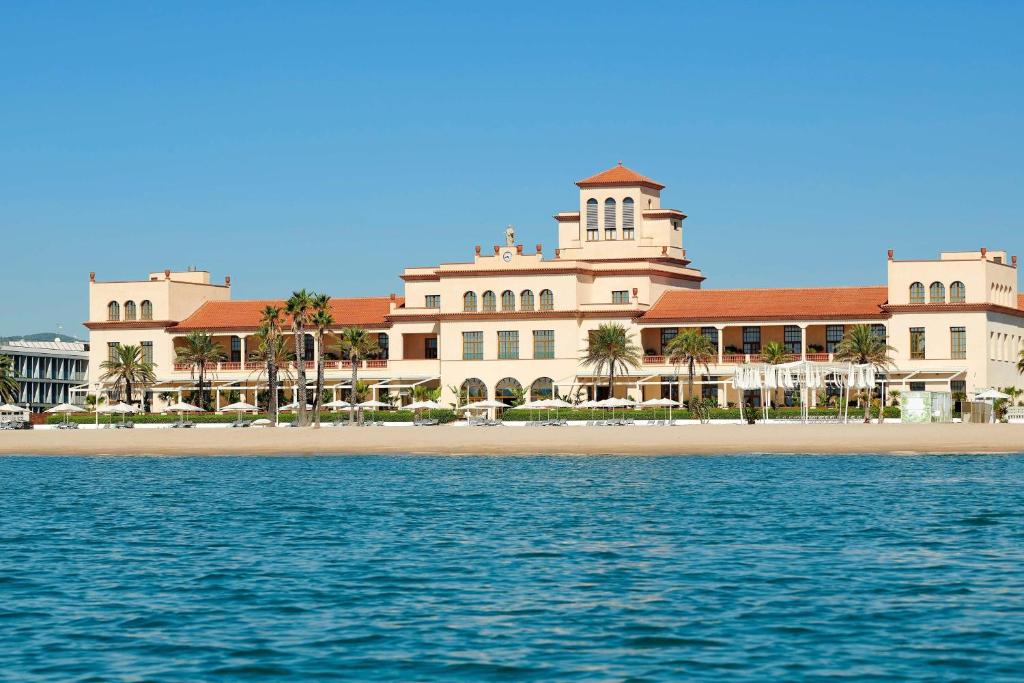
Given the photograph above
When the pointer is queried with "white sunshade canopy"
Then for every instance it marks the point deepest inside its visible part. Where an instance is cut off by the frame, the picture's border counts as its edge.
(615, 403)
(483, 405)
(374, 404)
(66, 408)
(292, 406)
(660, 402)
(991, 394)
(338, 404)
(590, 404)
(11, 408)
(535, 405)
(558, 403)
(424, 405)
(182, 407)
(240, 406)
(119, 408)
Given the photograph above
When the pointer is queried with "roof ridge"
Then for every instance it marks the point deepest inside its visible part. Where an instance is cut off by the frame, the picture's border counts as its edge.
(774, 289)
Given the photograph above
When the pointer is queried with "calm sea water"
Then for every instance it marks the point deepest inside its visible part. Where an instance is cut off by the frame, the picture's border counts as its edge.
(545, 568)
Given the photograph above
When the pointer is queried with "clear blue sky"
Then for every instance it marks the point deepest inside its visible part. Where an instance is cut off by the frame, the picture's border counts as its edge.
(322, 145)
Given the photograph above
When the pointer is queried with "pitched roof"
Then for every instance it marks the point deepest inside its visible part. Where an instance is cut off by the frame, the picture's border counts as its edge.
(619, 176)
(816, 303)
(241, 315)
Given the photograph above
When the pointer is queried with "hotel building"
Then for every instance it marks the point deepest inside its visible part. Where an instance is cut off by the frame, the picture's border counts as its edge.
(47, 371)
(515, 317)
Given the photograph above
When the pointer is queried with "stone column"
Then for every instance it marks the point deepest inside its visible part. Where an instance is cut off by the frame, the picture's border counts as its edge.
(803, 342)
(721, 341)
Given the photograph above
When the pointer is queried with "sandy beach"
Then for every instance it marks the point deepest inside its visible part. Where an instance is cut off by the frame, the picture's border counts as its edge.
(688, 439)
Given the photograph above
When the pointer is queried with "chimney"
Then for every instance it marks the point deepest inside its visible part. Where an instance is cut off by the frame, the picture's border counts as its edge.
(167, 273)
(478, 250)
(92, 276)
(393, 297)
(496, 249)
(558, 253)
(1013, 259)
(984, 252)
(540, 249)
(227, 280)
(891, 254)
(519, 249)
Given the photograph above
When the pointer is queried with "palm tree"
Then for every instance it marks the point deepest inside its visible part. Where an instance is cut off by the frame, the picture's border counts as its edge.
(298, 307)
(864, 346)
(322, 321)
(198, 352)
(611, 348)
(355, 343)
(691, 348)
(8, 385)
(1020, 363)
(128, 367)
(271, 351)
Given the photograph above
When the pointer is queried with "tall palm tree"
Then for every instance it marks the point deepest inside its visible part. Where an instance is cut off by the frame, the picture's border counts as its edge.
(610, 348)
(322, 321)
(128, 367)
(774, 353)
(271, 351)
(864, 346)
(355, 343)
(198, 352)
(1020, 363)
(8, 385)
(691, 348)
(298, 307)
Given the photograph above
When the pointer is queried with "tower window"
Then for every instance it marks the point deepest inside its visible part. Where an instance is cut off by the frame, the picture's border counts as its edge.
(957, 293)
(547, 300)
(469, 302)
(129, 310)
(917, 293)
(610, 229)
(627, 219)
(526, 300)
(937, 293)
(490, 302)
(592, 235)
(508, 300)
(113, 311)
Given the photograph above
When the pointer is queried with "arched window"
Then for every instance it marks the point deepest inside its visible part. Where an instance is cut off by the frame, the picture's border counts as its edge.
(469, 302)
(113, 311)
(508, 390)
(937, 293)
(957, 293)
(592, 220)
(473, 390)
(490, 302)
(542, 388)
(917, 293)
(610, 229)
(526, 300)
(129, 310)
(547, 300)
(627, 218)
(508, 300)
(147, 310)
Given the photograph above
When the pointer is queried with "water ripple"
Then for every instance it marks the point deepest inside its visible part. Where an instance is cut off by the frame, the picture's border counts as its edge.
(578, 569)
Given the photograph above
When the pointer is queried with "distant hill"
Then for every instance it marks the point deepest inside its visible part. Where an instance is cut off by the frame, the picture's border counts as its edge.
(41, 336)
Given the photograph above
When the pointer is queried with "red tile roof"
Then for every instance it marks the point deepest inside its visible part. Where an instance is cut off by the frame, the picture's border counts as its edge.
(619, 176)
(817, 303)
(243, 315)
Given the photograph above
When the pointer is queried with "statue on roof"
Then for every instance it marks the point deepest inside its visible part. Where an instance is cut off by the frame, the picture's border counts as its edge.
(510, 236)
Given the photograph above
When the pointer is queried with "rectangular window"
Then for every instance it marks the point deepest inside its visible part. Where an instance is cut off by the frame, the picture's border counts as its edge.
(712, 334)
(112, 350)
(609, 233)
(791, 337)
(620, 297)
(383, 345)
(508, 345)
(917, 342)
(833, 335)
(307, 351)
(667, 335)
(958, 386)
(236, 350)
(430, 347)
(543, 343)
(917, 386)
(433, 301)
(709, 390)
(591, 234)
(751, 340)
(879, 331)
(958, 343)
(472, 345)
(147, 352)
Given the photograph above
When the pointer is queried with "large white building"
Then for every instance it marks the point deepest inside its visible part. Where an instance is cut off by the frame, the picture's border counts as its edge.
(513, 316)
(47, 371)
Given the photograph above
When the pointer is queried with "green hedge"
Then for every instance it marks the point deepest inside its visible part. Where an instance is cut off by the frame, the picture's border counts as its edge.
(442, 416)
(681, 414)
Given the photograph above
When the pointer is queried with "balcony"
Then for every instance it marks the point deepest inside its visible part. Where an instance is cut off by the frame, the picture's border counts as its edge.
(235, 366)
(740, 358)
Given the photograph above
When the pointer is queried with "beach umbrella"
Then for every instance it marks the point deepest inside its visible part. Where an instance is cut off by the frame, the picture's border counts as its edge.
(240, 407)
(338, 404)
(489, 404)
(11, 408)
(374, 404)
(424, 405)
(182, 407)
(661, 403)
(66, 409)
(121, 409)
(295, 406)
(991, 395)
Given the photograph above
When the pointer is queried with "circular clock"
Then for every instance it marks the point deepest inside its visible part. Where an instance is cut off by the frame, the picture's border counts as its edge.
(507, 257)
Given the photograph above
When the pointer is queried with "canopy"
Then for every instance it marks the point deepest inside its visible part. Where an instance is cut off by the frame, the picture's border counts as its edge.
(536, 405)
(615, 403)
(488, 404)
(11, 408)
(295, 406)
(338, 404)
(660, 402)
(66, 408)
(119, 408)
(240, 406)
(991, 395)
(181, 407)
(558, 403)
(374, 404)
(590, 404)
(424, 405)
